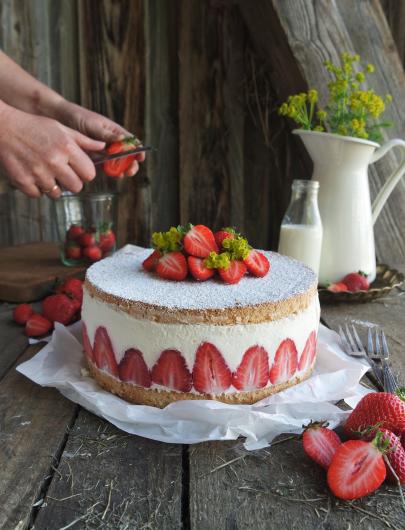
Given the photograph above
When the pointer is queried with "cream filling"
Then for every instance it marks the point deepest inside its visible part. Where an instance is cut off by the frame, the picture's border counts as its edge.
(151, 338)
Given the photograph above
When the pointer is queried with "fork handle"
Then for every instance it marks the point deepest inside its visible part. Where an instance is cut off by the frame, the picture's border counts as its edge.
(390, 383)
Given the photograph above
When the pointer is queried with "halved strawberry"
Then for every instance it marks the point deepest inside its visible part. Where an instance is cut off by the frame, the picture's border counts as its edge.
(320, 443)
(253, 371)
(172, 266)
(308, 353)
(257, 263)
(171, 371)
(356, 470)
(133, 369)
(198, 270)
(151, 261)
(37, 325)
(285, 362)
(338, 287)
(234, 273)
(211, 374)
(103, 352)
(86, 343)
(22, 313)
(199, 241)
(224, 233)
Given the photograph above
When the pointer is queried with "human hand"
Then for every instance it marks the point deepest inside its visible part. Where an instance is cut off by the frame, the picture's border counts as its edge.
(96, 126)
(40, 154)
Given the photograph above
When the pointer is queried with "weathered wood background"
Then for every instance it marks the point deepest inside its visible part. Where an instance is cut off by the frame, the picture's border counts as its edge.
(201, 81)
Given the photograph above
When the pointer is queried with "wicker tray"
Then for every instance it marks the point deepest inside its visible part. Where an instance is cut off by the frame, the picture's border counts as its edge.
(385, 281)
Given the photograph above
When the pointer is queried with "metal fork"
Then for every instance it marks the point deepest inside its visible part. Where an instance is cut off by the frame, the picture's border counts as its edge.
(381, 353)
(353, 346)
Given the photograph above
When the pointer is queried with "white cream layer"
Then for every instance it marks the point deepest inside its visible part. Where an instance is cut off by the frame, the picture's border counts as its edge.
(151, 338)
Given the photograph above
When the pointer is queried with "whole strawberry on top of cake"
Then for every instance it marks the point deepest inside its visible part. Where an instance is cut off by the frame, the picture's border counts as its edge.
(201, 316)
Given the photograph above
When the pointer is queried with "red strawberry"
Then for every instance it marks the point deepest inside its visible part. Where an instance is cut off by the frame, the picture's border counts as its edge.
(73, 251)
(37, 325)
(199, 241)
(171, 371)
(74, 232)
(103, 352)
(403, 438)
(377, 407)
(198, 270)
(93, 253)
(73, 288)
(133, 369)
(234, 273)
(320, 443)
(338, 287)
(22, 313)
(223, 234)
(253, 371)
(308, 353)
(285, 362)
(107, 240)
(356, 281)
(257, 263)
(58, 308)
(395, 454)
(87, 240)
(172, 266)
(87, 344)
(211, 374)
(151, 261)
(356, 470)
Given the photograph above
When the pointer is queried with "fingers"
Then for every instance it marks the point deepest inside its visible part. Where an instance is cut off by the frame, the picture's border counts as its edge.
(68, 179)
(86, 143)
(133, 169)
(81, 164)
(110, 131)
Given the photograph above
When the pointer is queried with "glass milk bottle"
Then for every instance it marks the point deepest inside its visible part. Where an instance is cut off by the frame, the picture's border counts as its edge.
(301, 227)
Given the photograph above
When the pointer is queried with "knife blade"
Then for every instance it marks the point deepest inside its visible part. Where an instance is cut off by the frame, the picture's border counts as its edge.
(100, 158)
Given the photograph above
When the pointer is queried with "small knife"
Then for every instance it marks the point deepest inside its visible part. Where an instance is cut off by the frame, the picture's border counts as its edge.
(101, 158)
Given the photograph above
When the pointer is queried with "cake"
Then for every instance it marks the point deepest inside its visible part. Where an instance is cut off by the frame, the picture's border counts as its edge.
(154, 341)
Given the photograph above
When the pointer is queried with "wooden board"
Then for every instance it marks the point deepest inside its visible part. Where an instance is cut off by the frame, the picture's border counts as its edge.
(29, 272)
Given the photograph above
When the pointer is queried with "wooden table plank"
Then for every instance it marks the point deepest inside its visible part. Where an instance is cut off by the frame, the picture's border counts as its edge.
(12, 339)
(110, 479)
(33, 424)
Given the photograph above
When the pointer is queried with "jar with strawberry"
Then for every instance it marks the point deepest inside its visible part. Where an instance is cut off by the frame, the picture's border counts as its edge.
(86, 226)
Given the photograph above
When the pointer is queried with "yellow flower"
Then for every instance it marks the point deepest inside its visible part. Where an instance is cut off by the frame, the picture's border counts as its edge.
(388, 98)
(319, 128)
(312, 96)
(360, 77)
(321, 115)
(370, 68)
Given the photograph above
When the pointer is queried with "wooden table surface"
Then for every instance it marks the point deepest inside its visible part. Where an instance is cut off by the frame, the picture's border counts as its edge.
(62, 467)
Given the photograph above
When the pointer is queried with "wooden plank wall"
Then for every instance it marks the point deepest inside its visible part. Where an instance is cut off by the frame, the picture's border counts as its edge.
(190, 78)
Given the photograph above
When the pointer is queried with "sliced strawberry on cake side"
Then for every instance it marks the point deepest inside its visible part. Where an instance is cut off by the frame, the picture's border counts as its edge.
(133, 369)
(308, 353)
(103, 352)
(199, 241)
(151, 261)
(198, 269)
(285, 362)
(211, 374)
(171, 371)
(88, 350)
(172, 266)
(257, 263)
(253, 371)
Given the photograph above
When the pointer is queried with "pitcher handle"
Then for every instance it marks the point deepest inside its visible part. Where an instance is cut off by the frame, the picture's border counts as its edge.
(393, 180)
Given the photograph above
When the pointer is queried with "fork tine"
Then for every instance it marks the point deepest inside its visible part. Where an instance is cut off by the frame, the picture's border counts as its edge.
(384, 345)
(370, 342)
(350, 338)
(343, 339)
(377, 343)
(358, 342)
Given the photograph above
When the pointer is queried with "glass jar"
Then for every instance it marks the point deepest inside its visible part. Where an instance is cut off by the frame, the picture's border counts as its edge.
(301, 227)
(86, 226)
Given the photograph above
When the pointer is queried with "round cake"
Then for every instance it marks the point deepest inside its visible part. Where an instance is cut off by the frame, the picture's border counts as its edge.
(154, 341)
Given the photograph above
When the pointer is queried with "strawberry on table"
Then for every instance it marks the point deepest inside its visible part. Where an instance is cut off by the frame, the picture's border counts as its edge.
(198, 269)
(72, 287)
(172, 266)
(257, 263)
(22, 313)
(93, 253)
(308, 353)
(211, 374)
(356, 281)
(320, 443)
(151, 261)
(338, 287)
(395, 454)
(356, 470)
(37, 325)
(58, 308)
(171, 371)
(224, 233)
(382, 408)
(285, 362)
(253, 371)
(103, 352)
(199, 241)
(234, 273)
(133, 368)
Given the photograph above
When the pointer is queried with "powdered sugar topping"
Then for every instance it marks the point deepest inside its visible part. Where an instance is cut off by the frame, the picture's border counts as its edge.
(122, 275)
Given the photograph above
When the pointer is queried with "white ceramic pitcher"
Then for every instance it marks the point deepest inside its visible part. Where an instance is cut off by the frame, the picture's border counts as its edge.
(340, 166)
